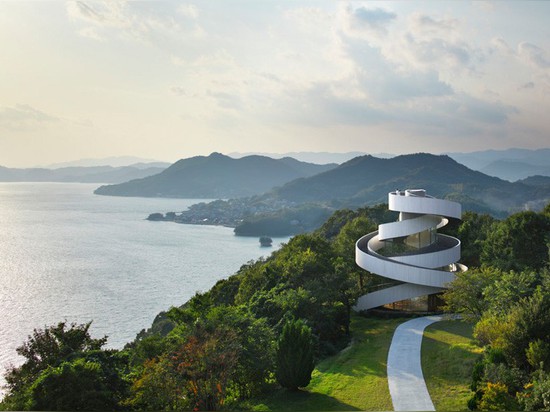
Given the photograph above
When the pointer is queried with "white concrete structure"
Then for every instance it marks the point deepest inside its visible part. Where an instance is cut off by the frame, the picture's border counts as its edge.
(410, 250)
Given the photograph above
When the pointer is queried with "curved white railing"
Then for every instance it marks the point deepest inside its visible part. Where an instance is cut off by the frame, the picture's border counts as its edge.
(427, 263)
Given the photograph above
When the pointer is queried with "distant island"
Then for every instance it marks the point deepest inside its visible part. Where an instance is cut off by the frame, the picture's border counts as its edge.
(266, 241)
(82, 174)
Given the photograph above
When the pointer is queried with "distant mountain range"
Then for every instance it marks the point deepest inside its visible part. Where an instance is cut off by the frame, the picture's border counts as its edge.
(368, 179)
(313, 157)
(95, 174)
(359, 181)
(217, 176)
(536, 180)
(304, 203)
(114, 161)
(509, 164)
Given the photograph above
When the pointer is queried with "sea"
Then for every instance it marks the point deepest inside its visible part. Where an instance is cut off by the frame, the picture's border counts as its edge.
(69, 255)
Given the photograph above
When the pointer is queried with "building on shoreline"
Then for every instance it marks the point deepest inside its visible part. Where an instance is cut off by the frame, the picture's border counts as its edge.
(417, 261)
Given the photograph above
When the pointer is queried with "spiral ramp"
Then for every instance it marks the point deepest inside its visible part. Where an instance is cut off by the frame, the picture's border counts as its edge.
(410, 250)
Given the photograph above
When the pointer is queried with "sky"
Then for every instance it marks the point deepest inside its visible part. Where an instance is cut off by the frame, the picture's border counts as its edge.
(168, 80)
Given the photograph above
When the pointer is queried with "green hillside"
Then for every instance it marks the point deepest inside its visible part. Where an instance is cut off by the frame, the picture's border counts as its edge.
(367, 180)
(216, 177)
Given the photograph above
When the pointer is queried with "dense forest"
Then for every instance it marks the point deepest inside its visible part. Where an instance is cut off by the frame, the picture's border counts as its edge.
(268, 324)
(508, 297)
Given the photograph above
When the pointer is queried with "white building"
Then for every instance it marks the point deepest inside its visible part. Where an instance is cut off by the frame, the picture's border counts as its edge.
(410, 250)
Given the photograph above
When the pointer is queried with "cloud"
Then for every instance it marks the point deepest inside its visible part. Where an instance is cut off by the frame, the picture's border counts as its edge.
(227, 100)
(310, 20)
(396, 86)
(91, 33)
(424, 25)
(531, 56)
(457, 116)
(179, 91)
(424, 53)
(189, 10)
(482, 111)
(23, 117)
(365, 22)
(527, 53)
(107, 13)
(526, 86)
(534, 55)
(384, 81)
(431, 43)
(153, 23)
(501, 45)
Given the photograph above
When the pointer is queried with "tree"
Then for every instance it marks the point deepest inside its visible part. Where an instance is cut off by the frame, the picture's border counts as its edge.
(254, 340)
(294, 355)
(77, 385)
(66, 369)
(472, 232)
(519, 242)
(158, 387)
(335, 222)
(508, 289)
(529, 322)
(50, 347)
(466, 292)
(206, 363)
(344, 245)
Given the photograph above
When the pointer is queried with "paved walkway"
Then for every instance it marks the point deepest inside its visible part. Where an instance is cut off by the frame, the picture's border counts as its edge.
(407, 387)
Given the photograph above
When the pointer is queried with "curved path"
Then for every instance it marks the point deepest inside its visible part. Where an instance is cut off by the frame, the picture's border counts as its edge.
(405, 379)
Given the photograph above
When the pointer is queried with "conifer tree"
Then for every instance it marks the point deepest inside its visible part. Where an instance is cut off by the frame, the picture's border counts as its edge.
(295, 355)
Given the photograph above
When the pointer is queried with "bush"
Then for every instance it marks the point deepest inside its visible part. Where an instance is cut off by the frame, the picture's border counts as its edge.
(496, 398)
(538, 354)
(513, 378)
(537, 394)
(490, 330)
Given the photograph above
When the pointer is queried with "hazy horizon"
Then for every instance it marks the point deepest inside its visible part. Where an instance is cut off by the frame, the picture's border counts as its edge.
(170, 80)
(331, 157)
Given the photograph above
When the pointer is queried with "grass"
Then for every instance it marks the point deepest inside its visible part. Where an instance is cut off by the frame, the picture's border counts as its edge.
(354, 379)
(448, 356)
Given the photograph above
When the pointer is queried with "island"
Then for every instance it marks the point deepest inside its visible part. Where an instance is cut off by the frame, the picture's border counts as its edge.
(266, 241)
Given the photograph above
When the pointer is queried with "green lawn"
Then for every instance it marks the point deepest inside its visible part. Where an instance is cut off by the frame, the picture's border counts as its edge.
(355, 379)
(448, 356)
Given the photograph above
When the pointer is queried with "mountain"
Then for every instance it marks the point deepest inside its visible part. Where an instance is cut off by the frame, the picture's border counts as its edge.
(521, 161)
(216, 176)
(114, 161)
(368, 179)
(96, 174)
(314, 157)
(513, 170)
(536, 180)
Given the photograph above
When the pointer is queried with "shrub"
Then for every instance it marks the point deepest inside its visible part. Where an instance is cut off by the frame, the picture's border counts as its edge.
(496, 398)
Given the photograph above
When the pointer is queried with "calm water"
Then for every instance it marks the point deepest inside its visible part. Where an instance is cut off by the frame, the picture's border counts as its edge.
(68, 254)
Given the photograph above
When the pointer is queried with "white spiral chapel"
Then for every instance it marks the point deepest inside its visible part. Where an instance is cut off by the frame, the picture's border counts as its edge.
(410, 250)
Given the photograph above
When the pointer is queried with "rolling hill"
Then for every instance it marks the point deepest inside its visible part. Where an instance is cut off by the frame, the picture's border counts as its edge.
(216, 176)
